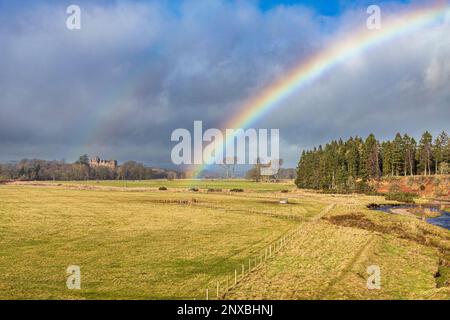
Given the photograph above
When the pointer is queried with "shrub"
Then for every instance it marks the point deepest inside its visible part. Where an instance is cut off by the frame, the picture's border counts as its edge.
(162, 188)
(360, 187)
(284, 191)
(193, 189)
(401, 197)
(214, 190)
(373, 206)
(236, 190)
(364, 188)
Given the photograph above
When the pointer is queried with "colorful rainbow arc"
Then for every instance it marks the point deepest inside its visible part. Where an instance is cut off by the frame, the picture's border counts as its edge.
(335, 54)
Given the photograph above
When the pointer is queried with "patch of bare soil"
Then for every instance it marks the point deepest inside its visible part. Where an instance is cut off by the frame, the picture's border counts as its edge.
(403, 212)
(357, 220)
(181, 201)
(416, 212)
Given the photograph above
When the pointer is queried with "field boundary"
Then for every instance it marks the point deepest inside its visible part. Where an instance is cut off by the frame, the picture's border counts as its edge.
(222, 286)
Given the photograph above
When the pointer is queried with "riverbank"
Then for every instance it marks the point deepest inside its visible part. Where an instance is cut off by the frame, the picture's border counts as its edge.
(430, 213)
(436, 186)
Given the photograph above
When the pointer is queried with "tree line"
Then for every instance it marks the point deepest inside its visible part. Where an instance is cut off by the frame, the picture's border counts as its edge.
(348, 165)
(36, 169)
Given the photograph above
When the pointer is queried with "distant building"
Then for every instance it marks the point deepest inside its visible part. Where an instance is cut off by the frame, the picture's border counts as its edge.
(97, 162)
(270, 171)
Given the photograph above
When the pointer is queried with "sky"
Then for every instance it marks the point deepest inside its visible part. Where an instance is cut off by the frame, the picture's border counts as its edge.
(326, 7)
(137, 70)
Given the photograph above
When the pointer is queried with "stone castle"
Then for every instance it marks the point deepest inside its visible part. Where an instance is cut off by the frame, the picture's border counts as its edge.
(97, 162)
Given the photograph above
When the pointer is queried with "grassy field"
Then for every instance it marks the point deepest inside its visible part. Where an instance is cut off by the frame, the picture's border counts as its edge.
(128, 244)
(141, 243)
(334, 266)
(188, 183)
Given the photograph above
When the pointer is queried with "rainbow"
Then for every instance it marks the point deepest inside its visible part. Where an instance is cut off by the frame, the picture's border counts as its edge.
(339, 52)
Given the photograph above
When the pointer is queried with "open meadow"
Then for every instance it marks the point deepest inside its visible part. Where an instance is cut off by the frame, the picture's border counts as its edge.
(183, 184)
(134, 241)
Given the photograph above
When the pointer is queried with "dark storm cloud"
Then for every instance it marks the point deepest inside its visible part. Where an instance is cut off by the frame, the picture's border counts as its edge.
(136, 71)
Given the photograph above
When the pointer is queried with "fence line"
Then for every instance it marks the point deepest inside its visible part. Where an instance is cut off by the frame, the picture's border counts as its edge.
(223, 286)
(287, 216)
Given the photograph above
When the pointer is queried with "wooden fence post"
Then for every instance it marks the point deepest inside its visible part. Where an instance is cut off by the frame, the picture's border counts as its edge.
(262, 256)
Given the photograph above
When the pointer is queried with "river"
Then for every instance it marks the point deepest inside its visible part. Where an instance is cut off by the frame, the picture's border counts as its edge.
(442, 221)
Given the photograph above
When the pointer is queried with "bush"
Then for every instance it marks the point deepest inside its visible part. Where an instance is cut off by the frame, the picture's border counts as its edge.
(401, 197)
(162, 188)
(214, 190)
(360, 187)
(284, 191)
(193, 189)
(236, 190)
(373, 206)
(364, 188)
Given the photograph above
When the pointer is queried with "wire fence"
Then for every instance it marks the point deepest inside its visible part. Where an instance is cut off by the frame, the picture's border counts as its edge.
(219, 288)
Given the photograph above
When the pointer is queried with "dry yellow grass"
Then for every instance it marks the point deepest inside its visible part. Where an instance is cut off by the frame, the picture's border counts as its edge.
(127, 245)
(138, 243)
(329, 258)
